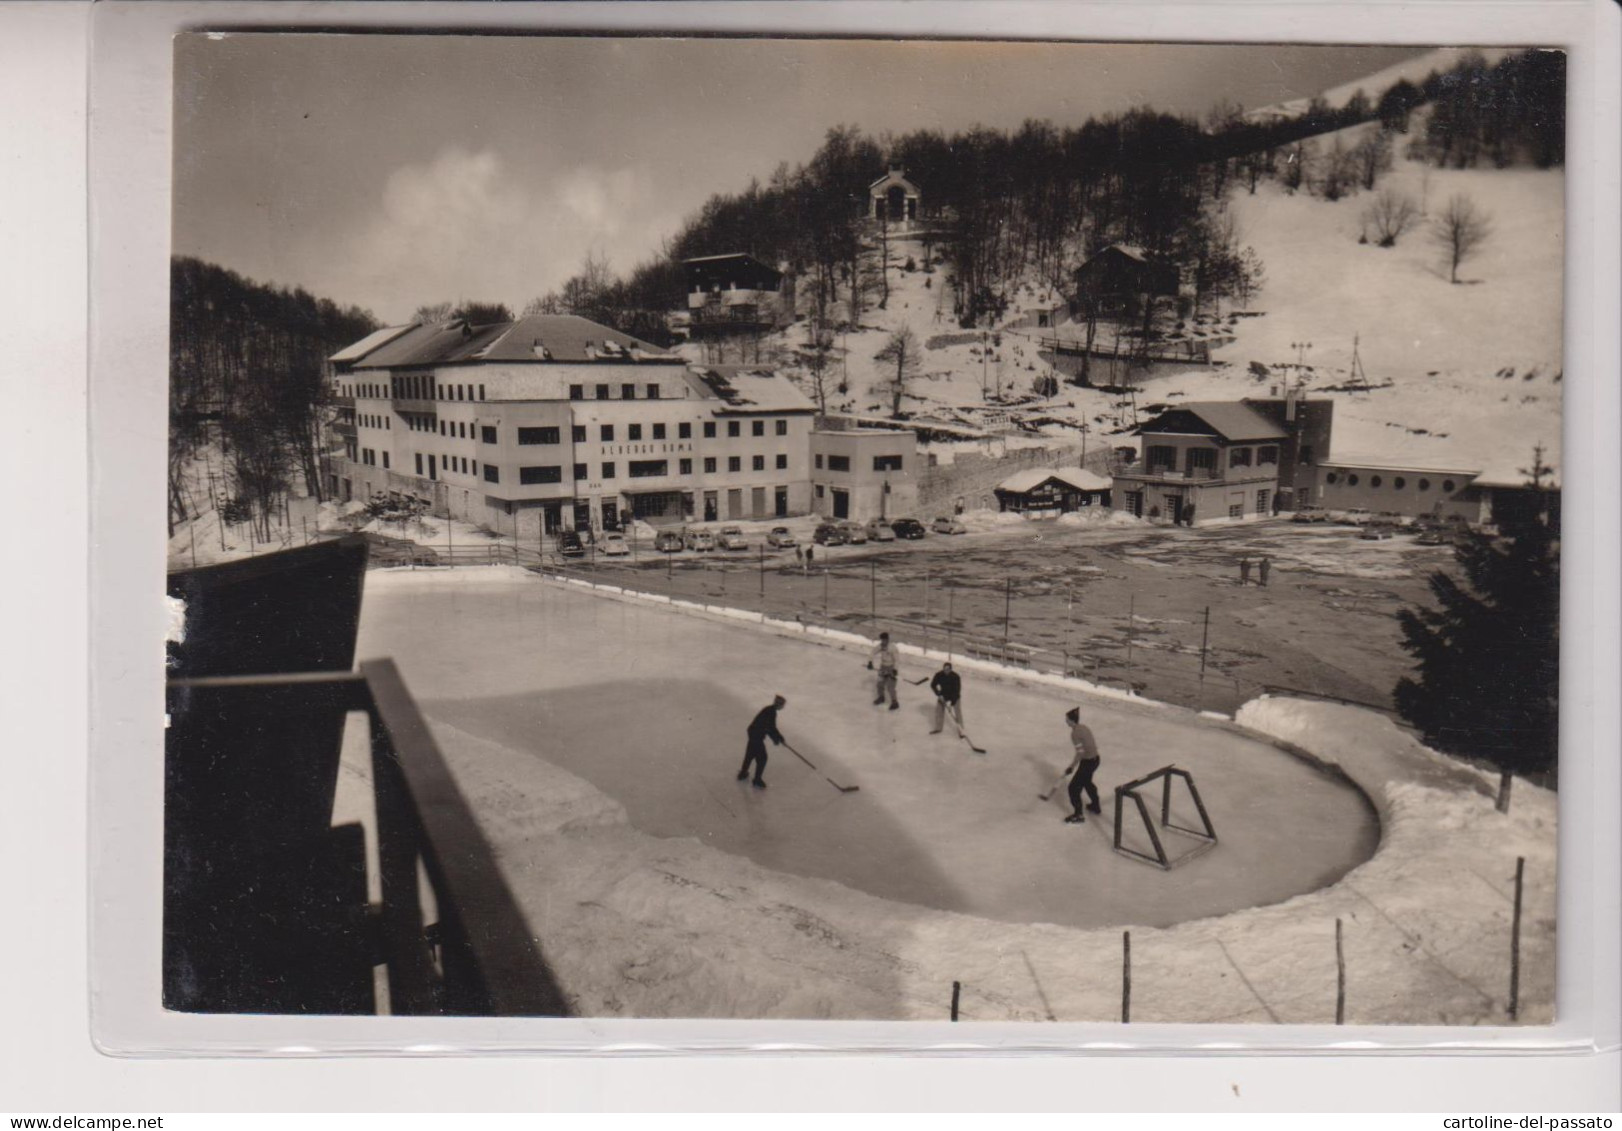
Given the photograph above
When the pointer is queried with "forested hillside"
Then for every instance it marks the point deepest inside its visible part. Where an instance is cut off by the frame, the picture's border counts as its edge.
(245, 373)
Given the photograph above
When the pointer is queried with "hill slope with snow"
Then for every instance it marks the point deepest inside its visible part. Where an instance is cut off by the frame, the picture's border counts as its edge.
(1462, 375)
(1414, 70)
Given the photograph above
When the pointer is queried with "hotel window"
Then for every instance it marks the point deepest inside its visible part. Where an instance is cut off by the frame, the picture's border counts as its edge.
(648, 468)
(580, 471)
(578, 433)
(1306, 453)
(734, 463)
(709, 429)
(537, 435)
(782, 462)
(759, 463)
(1266, 455)
(838, 463)
(1424, 484)
(1399, 483)
(633, 432)
(1162, 457)
(757, 427)
(1351, 480)
(385, 459)
(1239, 457)
(1375, 481)
(686, 467)
(492, 473)
(608, 471)
(653, 392)
(733, 428)
(533, 475)
(1447, 485)
(481, 392)
(602, 392)
(1261, 502)
(819, 490)
(886, 463)
(577, 392)
(684, 431)
(461, 429)
(419, 463)
(819, 461)
(658, 431)
(709, 465)
(1331, 477)
(1236, 510)
(627, 392)
(782, 428)
(607, 433)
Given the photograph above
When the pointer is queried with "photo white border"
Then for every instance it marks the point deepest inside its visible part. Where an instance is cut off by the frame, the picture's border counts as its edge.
(130, 172)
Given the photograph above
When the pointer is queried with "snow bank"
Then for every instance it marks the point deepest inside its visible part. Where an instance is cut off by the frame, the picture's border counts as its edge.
(1098, 517)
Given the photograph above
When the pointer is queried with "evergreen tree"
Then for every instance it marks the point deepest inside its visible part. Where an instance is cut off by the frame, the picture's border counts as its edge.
(1488, 653)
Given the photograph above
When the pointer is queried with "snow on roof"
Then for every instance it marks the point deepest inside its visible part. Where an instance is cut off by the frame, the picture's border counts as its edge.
(750, 389)
(560, 337)
(1365, 460)
(357, 350)
(1077, 477)
(896, 177)
(1231, 420)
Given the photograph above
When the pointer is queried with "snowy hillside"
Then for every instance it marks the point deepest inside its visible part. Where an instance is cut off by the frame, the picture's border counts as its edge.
(1414, 70)
(1462, 375)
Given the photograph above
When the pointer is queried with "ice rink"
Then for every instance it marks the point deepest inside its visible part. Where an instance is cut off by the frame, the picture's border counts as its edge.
(649, 705)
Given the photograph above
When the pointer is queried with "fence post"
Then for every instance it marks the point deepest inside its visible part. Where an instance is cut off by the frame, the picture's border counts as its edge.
(926, 610)
(1126, 977)
(1515, 945)
(1340, 977)
(304, 524)
(951, 615)
(1007, 613)
(957, 989)
(192, 528)
(450, 548)
(763, 573)
(824, 592)
(873, 592)
(1131, 623)
(1205, 640)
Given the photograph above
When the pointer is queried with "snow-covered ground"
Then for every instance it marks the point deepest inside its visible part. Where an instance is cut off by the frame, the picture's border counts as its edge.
(656, 924)
(1463, 375)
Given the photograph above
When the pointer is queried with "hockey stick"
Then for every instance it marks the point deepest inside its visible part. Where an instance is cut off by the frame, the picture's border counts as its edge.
(825, 777)
(964, 735)
(919, 682)
(1054, 787)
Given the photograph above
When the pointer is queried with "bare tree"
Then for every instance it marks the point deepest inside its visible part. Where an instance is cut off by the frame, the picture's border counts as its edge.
(1460, 230)
(815, 359)
(903, 352)
(1373, 157)
(1390, 215)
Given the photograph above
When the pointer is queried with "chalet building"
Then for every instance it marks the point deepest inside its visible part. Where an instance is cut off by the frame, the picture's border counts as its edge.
(555, 422)
(1043, 492)
(728, 294)
(894, 200)
(1203, 462)
(862, 474)
(1116, 279)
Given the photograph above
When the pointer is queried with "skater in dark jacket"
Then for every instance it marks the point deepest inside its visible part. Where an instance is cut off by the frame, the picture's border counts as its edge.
(948, 688)
(763, 727)
(1084, 766)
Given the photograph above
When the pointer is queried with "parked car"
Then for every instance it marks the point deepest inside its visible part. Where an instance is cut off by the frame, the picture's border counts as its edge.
(732, 538)
(700, 540)
(569, 544)
(613, 546)
(855, 533)
(779, 538)
(1376, 531)
(1358, 516)
(1310, 514)
(878, 531)
(668, 542)
(829, 534)
(909, 528)
(1433, 536)
(946, 524)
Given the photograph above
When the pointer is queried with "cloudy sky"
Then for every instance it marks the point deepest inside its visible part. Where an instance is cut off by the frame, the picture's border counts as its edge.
(390, 171)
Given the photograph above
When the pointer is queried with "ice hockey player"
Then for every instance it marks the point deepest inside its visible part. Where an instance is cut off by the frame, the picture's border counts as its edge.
(1084, 766)
(948, 688)
(763, 727)
(883, 661)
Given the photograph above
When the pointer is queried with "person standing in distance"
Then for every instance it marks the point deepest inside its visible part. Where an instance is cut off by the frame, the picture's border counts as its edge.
(763, 727)
(948, 688)
(883, 661)
(1083, 767)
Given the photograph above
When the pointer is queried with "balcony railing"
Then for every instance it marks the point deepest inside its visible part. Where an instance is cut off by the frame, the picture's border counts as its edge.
(418, 405)
(473, 954)
(1169, 475)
